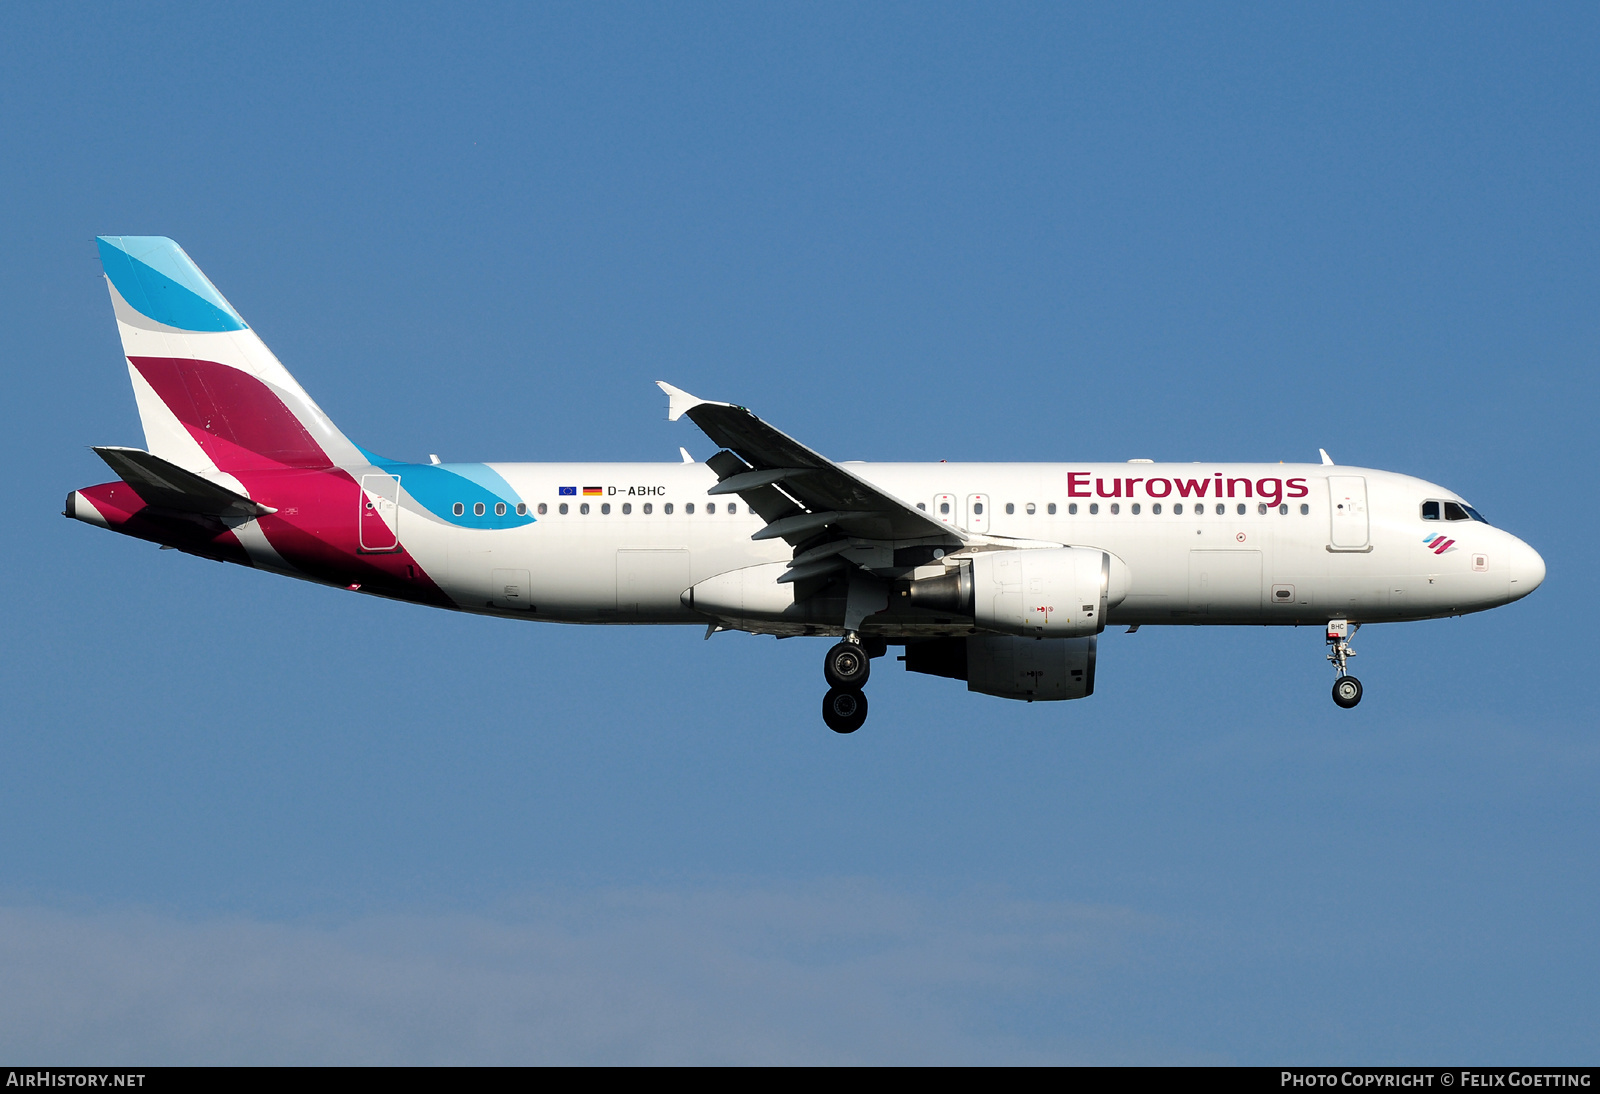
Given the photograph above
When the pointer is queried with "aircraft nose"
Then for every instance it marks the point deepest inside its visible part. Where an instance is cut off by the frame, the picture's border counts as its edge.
(1527, 570)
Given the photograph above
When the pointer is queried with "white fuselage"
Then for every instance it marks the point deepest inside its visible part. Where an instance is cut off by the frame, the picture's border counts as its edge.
(1291, 544)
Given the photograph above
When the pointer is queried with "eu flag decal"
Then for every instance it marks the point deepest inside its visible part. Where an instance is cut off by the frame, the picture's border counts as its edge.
(567, 491)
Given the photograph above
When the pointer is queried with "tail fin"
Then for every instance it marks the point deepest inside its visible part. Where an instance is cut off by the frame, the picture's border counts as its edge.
(212, 397)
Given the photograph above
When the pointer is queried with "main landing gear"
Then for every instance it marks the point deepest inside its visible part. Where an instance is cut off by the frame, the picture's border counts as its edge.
(843, 710)
(1346, 688)
(846, 668)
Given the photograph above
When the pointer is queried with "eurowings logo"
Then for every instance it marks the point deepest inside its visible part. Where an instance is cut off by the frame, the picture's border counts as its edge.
(1439, 543)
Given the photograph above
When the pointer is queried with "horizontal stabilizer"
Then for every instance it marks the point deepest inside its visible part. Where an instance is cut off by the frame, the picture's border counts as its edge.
(165, 485)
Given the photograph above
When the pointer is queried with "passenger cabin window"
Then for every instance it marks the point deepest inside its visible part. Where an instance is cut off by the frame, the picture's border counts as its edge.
(1222, 510)
(977, 508)
(1177, 508)
(1032, 508)
(711, 507)
(1305, 510)
(1011, 508)
(1094, 508)
(1156, 509)
(1051, 509)
(1135, 508)
(1241, 509)
(627, 507)
(477, 509)
(944, 509)
(923, 506)
(583, 509)
(667, 509)
(543, 508)
(732, 508)
(1115, 508)
(458, 509)
(1430, 510)
(499, 508)
(648, 509)
(689, 508)
(563, 508)
(1072, 509)
(605, 508)
(522, 508)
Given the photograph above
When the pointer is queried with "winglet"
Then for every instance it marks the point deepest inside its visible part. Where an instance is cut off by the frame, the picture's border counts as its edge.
(679, 401)
(1327, 460)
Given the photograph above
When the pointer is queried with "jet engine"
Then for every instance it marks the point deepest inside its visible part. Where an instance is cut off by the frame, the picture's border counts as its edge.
(1053, 592)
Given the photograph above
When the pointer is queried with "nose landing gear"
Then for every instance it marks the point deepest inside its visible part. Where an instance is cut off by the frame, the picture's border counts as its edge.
(846, 668)
(1346, 688)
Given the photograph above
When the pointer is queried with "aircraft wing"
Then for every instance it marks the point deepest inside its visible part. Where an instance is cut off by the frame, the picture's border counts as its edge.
(168, 486)
(800, 494)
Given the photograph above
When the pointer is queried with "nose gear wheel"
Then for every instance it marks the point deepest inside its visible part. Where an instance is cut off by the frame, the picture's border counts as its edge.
(1347, 691)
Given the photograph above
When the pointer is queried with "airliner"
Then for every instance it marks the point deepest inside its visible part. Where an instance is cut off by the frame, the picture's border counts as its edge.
(997, 574)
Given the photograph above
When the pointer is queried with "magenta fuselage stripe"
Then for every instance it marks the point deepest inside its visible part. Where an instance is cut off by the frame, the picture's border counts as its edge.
(309, 533)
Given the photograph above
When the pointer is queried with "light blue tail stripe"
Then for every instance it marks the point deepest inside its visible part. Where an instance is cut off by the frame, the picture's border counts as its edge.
(157, 279)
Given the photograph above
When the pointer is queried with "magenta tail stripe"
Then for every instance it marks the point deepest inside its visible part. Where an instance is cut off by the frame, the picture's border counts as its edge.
(221, 404)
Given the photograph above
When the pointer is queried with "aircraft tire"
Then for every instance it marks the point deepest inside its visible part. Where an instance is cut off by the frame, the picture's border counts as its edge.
(847, 666)
(844, 710)
(1347, 691)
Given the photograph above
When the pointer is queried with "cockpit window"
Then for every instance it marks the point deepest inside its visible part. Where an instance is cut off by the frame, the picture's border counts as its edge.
(1452, 511)
(1474, 514)
(1430, 510)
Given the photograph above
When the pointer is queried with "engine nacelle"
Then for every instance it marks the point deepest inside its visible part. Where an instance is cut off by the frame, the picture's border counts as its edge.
(1013, 668)
(1054, 592)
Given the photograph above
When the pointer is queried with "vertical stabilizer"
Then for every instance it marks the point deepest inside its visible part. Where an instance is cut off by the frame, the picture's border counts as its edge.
(212, 398)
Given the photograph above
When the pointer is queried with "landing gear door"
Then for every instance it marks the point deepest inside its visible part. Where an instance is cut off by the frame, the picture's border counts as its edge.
(1347, 509)
(978, 513)
(379, 519)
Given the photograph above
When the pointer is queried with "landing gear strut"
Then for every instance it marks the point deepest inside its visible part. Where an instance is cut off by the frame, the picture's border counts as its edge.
(846, 667)
(1346, 688)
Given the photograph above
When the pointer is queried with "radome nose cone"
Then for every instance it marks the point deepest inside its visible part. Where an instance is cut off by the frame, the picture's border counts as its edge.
(1527, 570)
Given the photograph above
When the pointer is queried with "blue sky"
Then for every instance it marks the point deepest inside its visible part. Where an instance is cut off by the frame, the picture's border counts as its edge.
(246, 819)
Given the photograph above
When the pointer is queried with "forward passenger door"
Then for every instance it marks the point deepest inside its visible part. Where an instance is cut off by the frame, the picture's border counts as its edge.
(1347, 512)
